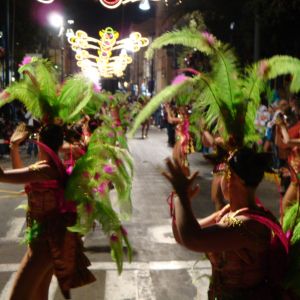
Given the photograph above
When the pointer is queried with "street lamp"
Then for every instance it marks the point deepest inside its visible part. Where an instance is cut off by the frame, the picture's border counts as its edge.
(56, 20)
(144, 5)
(45, 1)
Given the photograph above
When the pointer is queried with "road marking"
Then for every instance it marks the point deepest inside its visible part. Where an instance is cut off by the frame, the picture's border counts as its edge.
(200, 279)
(178, 265)
(145, 289)
(15, 228)
(138, 272)
(8, 267)
(8, 287)
(10, 240)
(52, 288)
(151, 266)
(161, 234)
(120, 287)
(12, 192)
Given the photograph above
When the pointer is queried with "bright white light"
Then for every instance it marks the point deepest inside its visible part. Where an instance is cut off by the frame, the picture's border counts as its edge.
(71, 22)
(232, 25)
(144, 5)
(55, 20)
(123, 52)
(92, 74)
(46, 1)
(70, 33)
(128, 45)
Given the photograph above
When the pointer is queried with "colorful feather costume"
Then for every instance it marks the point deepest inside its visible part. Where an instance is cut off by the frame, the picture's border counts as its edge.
(106, 164)
(227, 99)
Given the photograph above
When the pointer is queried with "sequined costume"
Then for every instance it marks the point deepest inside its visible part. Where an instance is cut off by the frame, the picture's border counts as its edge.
(61, 249)
(184, 143)
(294, 154)
(241, 274)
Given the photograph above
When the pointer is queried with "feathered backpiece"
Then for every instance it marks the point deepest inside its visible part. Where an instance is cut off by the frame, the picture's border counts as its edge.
(227, 97)
(106, 165)
(98, 101)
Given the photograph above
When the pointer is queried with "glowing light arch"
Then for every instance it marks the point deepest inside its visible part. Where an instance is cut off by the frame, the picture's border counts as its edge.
(102, 61)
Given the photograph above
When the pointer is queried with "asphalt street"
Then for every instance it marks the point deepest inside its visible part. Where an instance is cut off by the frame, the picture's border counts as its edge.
(161, 269)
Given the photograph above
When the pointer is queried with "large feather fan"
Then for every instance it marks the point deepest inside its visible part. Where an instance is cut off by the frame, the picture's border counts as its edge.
(227, 98)
(107, 164)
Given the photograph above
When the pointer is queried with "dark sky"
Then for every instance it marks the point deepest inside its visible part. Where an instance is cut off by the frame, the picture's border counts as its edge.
(279, 23)
(91, 16)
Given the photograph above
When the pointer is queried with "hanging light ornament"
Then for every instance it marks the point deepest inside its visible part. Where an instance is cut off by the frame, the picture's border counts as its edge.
(101, 61)
(111, 4)
(144, 5)
(46, 1)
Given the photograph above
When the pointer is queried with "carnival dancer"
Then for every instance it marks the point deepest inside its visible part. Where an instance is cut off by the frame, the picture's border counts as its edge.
(146, 124)
(62, 208)
(239, 238)
(289, 140)
(183, 145)
(237, 246)
(218, 159)
(52, 248)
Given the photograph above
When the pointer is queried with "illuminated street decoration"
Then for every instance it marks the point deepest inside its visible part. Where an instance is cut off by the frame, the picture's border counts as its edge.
(46, 1)
(101, 60)
(111, 4)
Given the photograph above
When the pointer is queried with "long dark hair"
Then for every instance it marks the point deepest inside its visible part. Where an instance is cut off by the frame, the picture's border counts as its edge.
(52, 136)
(250, 166)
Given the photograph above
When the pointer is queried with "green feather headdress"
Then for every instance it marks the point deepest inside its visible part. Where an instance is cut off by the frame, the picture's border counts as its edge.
(227, 97)
(42, 94)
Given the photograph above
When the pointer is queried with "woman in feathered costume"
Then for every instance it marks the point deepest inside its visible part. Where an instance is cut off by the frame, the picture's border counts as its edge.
(238, 239)
(55, 224)
(288, 139)
(184, 144)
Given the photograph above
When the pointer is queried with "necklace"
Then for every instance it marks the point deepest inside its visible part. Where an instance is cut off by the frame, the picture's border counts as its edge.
(231, 220)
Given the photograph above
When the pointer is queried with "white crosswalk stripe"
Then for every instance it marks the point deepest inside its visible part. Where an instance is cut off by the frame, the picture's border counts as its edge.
(8, 287)
(15, 228)
(53, 288)
(113, 283)
(145, 289)
(135, 282)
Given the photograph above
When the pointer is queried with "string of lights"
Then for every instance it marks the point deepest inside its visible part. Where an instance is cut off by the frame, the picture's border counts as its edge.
(111, 4)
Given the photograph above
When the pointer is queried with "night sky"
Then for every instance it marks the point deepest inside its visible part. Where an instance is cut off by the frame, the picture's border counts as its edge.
(279, 23)
(91, 16)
